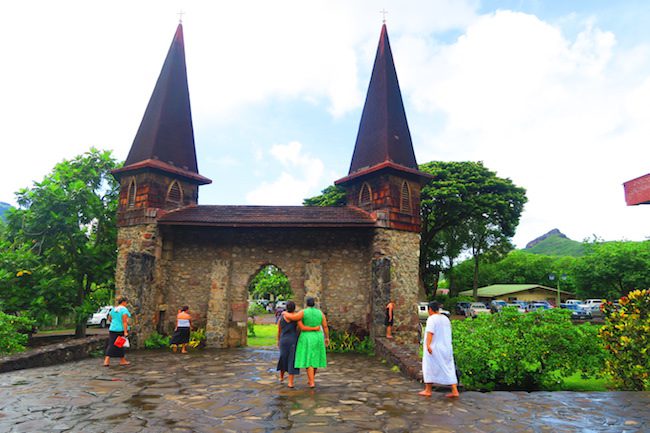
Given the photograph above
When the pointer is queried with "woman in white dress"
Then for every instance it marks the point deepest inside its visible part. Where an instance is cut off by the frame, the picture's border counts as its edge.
(438, 355)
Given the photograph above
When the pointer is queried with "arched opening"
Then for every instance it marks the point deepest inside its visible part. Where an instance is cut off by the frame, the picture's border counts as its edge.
(405, 198)
(365, 195)
(175, 193)
(131, 193)
(268, 291)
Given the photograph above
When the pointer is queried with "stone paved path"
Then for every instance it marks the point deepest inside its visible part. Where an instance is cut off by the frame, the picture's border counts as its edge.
(237, 391)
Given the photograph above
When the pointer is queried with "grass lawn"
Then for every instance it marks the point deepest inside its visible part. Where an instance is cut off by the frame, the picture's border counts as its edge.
(265, 335)
(577, 383)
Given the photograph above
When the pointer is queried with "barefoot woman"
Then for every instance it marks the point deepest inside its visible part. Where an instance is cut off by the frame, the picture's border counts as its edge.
(438, 355)
(310, 352)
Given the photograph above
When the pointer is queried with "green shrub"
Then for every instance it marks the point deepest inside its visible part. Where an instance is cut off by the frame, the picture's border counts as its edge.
(155, 341)
(197, 338)
(344, 342)
(513, 351)
(626, 337)
(254, 310)
(13, 333)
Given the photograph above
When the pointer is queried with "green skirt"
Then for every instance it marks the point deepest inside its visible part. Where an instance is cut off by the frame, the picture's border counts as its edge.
(310, 351)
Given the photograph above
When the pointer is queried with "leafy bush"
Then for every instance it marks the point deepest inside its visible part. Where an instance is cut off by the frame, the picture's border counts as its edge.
(197, 338)
(344, 342)
(513, 351)
(254, 310)
(155, 341)
(13, 333)
(626, 336)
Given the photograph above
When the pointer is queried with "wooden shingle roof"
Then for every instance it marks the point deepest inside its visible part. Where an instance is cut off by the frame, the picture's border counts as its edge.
(269, 216)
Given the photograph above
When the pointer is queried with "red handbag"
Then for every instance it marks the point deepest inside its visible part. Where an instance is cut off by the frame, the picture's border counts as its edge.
(119, 341)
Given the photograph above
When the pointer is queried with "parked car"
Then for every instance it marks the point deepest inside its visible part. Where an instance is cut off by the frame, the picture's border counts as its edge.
(520, 308)
(496, 305)
(477, 308)
(423, 311)
(574, 302)
(281, 305)
(593, 305)
(578, 311)
(99, 318)
(548, 304)
(461, 308)
(534, 306)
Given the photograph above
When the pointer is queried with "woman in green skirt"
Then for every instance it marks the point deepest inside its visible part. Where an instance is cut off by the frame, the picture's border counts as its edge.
(310, 351)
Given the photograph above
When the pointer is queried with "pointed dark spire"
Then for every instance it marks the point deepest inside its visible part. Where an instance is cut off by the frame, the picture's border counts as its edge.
(383, 136)
(165, 139)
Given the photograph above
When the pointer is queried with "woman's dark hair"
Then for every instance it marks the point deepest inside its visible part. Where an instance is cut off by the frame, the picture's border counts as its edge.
(291, 306)
(310, 302)
(434, 305)
(185, 308)
(122, 299)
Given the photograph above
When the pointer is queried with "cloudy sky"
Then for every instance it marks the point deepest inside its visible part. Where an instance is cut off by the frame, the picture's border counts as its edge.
(554, 95)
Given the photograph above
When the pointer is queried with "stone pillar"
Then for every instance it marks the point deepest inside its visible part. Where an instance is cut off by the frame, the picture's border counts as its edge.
(395, 275)
(314, 282)
(218, 317)
(137, 276)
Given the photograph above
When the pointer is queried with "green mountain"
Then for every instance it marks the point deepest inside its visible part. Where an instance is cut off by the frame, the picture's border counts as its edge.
(4, 207)
(555, 243)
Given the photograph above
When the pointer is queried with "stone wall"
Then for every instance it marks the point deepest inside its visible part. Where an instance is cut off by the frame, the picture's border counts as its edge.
(52, 354)
(396, 275)
(210, 269)
(137, 276)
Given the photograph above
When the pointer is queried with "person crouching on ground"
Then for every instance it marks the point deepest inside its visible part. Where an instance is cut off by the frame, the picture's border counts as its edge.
(438, 355)
(181, 336)
(119, 320)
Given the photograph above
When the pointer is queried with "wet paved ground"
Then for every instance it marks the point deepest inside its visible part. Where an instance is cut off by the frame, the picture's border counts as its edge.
(237, 391)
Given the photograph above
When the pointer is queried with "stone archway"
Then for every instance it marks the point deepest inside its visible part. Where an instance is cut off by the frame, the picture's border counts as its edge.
(227, 310)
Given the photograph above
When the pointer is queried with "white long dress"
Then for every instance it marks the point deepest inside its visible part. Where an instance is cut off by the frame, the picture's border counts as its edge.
(439, 367)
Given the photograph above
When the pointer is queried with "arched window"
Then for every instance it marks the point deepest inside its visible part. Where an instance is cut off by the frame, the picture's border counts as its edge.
(405, 198)
(175, 193)
(131, 193)
(365, 195)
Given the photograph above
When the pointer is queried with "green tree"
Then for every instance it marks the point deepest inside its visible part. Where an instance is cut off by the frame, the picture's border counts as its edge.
(68, 220)
(333, 195)
(270, 281)
(612, 269)
(468, 198)
(519, 267)
(28, 286)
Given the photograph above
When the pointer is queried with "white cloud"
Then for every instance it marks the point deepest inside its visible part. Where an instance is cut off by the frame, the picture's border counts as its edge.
(560, 117)
(300, 175)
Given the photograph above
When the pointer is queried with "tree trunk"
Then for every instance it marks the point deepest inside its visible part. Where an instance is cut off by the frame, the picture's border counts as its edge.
(475, 284)
(450, 276)
(80, 329)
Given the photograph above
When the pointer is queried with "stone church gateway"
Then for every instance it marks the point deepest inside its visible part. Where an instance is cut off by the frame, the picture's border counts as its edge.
(352, 259)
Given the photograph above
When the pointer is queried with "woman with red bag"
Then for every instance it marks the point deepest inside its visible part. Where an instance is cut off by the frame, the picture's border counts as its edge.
(118, 318)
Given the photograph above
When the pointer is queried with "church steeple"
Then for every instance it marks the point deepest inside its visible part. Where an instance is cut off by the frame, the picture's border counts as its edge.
(161, 172)
(165, 138)
(384, 135)
(384, 178)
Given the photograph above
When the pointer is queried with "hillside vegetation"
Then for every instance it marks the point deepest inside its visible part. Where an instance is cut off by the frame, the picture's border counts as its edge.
(554, 243)
(4, 207)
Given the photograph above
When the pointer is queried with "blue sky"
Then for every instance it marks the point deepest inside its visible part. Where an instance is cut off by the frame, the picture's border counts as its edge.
(552, 94)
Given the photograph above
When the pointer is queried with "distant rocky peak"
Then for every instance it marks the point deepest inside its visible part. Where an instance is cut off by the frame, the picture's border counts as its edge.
(554, 232)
